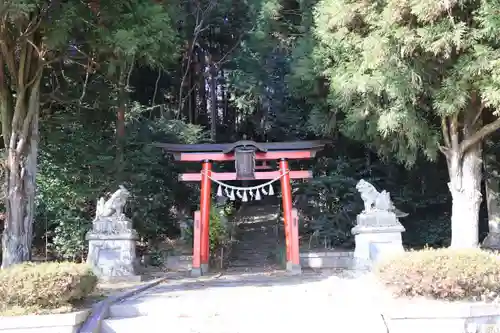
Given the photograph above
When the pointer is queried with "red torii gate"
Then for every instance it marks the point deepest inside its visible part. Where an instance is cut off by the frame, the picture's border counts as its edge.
(244, 153)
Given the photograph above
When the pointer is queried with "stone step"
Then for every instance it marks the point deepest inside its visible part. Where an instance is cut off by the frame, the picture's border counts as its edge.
(158, 306)
(347, 320)
(251, 264)
(254, 246)
(256, 237)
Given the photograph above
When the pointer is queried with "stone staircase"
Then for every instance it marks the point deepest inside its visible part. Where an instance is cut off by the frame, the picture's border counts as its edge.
(258, 235)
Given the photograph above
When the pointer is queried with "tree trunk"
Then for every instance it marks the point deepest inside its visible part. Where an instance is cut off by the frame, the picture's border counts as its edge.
(191, 107)
(213, 101)
(20, 174)
(120, 123)
(202, 84)
(492, 179)
(465, 187)
(463, 135)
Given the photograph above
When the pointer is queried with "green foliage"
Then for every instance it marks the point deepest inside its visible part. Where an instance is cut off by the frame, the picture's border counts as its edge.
(77, 167)
(134, 30)
(287, 68)
(73, 166)
(329, 202)
(446, 274)
(70, 17)
(46, 285)
(394, 67)
(220, 227)
(431, 230)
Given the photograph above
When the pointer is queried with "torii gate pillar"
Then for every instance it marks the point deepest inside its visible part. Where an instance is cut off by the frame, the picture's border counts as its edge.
(205, 198)
(290, 220)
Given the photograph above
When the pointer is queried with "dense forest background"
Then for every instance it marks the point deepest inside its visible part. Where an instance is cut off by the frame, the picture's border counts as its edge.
(210, 71)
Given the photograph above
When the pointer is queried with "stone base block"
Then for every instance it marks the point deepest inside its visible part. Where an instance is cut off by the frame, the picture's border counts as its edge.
(112, 255)
(196, 272)
(492, 241)
(293, 269)
(361, 265)
(327, 259)
(377, 235)
(179, 263)
(204, 268)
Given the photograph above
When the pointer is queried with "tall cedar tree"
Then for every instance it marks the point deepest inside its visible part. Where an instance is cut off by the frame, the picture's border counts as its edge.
(417, 76)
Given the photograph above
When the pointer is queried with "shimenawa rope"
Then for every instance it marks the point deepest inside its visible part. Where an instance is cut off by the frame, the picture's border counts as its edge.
(232, 192)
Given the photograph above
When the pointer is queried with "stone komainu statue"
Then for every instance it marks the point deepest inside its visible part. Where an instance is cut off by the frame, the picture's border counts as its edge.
(115, 204)
(376, 201)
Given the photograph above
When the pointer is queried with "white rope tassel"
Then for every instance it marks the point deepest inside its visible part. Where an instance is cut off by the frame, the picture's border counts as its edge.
(241, 192)
(257, 194)
(271, 190)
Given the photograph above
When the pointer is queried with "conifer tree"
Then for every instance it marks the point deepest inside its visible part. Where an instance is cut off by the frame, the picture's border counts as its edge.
(37, 36)
(417, 77)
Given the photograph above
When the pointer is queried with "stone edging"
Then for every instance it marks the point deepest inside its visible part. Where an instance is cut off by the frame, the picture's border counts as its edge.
(308, 259)
(325, 259)
(32, 322)
(441, 310)
(326, 253)
(100, 311)
(440, 316)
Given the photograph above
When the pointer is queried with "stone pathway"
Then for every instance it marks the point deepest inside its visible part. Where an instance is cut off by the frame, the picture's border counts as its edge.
(254, 302)
(254, 295)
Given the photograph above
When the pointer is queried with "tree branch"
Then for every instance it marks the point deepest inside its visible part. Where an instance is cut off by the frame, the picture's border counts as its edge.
(6, 105)
(478, 114)
(454, 131)
(33, 105)
(200, 20)
(156, 87)
(446, 134)
(7, 54)
(479, 135)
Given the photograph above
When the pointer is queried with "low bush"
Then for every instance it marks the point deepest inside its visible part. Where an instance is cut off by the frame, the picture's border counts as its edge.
(45, 285)
(446, 274)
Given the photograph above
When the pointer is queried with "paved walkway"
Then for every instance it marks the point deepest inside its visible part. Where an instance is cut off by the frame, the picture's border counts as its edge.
(250, 303)
(252, 297)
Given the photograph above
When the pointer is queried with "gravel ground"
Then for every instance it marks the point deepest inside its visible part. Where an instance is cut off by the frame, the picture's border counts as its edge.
(264, 302)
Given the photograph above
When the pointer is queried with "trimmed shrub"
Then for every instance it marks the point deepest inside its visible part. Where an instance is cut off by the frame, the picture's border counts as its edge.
(446, 274)
(46, 285)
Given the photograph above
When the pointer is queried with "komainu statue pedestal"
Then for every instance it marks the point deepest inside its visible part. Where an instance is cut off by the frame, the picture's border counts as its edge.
(112, 241)
(377, 233)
